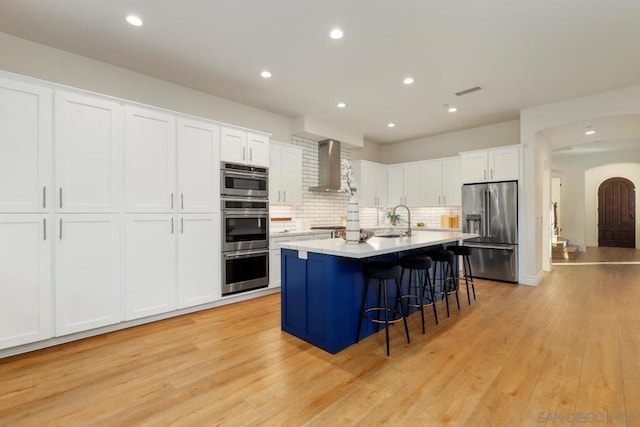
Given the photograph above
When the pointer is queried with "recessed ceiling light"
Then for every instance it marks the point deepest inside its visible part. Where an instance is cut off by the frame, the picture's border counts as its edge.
(450, 108)
(408, 81)
(589, 130)
(341, 105)
(391, 125)
(265, 74)
(336, 34)
(134, 20)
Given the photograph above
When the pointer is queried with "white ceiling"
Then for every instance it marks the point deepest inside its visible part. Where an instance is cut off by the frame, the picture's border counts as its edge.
(522, 53)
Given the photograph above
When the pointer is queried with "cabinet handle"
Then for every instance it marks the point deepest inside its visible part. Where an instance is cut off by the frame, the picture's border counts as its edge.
(181, 200)
(172, 225)
(284, 196)
(44, 197)
(171, 200)
(251, 154)
(444, 200)
(244, 151)
(491, 173)
(485, 174)
(181, 225)
(438, 199)
(60, 197)
(44, 228)
(60, 229)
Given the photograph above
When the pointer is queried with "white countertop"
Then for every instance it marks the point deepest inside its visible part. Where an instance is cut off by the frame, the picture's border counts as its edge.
(377, 245)
(375, 228)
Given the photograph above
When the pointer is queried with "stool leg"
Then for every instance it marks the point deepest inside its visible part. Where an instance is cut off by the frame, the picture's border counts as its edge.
(466, 279)
(420, 292)
(364, 300)
(432, 292)
(455, 284)
(404, 316)
(473, 287)
(444, 287)
(383, 284)
(380, 284)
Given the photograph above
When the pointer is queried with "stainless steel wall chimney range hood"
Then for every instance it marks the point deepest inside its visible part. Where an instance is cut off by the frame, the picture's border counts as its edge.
(328, 166)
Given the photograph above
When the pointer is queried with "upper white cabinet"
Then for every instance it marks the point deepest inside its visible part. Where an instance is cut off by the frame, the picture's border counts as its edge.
(495, 164)
(240, 146)
(88, 141)
(87, 271)
(25, 147)
(198, 166)
(198, 259)
(404, 184)
(441, 182)
(25, 279)
(285, 174)
(371, 179)
(150, 150)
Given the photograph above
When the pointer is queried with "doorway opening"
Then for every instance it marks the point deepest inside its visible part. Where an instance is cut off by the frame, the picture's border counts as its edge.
(616, 213)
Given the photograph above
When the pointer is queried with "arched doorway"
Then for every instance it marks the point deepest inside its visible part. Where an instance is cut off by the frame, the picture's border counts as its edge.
(616, 213)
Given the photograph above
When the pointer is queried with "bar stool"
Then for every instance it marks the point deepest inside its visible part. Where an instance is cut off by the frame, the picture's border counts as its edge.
(379, 274)
(421, 265)
(448, 281)
(465, 252)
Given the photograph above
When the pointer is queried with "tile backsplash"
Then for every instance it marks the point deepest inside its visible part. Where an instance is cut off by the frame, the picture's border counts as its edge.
(329, 208)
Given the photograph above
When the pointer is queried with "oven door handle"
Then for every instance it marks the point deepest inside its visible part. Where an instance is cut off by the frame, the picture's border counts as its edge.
(245, 254)
(261, 214)
(245, 175)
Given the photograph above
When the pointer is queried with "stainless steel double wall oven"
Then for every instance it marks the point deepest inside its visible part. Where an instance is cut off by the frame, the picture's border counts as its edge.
(245, 227)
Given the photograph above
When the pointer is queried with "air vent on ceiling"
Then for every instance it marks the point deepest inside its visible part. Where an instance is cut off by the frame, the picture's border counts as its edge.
(468, 91)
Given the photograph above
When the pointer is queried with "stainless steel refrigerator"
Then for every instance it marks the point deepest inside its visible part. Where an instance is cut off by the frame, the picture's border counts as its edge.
(491, 210)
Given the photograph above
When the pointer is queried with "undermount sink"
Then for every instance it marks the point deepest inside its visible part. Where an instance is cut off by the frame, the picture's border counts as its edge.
(390, 235)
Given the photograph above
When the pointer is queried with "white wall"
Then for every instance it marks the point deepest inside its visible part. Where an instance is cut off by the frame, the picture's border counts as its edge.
(450, 144)
(536, 119)
(35, 60)
(582, 175)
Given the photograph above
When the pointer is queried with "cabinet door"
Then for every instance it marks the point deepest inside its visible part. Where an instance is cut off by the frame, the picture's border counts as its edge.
(150, 264)
(275, 181)
(451, 182)
(431, 178)
(396, 184)
(198, 166)
(274, 268)
(88, 141)
(380, 180)
(474, 167)
(25, 279)
(364, 174)
(504, 164)
(199, 257)
(257, 149)
(291, 175)
(412, 185)
(25, 147)
(233, 145)
(87, 271)
(150, 159)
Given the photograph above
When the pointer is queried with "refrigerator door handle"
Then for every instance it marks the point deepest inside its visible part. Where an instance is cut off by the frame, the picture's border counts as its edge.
(489, 213)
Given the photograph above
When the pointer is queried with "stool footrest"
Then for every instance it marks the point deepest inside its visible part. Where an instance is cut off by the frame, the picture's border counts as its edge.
(397, 316)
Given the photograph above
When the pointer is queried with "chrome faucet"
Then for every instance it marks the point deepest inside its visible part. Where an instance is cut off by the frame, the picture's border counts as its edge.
(409, 215)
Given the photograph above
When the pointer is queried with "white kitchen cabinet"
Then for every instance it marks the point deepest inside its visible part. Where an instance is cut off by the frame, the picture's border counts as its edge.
(495, 164)
(441, 182)
(371, 179)
(240, 146)
(150, 264)
(404, 186)
(87, 271)
(198, 166)
(199, 275)
(88, 154)
(25, 279)
(25, 147)
(150, 160)
(285, 174)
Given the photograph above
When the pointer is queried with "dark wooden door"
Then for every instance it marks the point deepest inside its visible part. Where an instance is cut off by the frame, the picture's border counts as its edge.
(617, 213)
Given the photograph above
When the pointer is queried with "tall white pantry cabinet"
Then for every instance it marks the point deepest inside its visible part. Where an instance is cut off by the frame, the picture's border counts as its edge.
(120, 221)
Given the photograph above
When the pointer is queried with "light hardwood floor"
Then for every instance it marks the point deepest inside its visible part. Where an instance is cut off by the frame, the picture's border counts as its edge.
(565, 351)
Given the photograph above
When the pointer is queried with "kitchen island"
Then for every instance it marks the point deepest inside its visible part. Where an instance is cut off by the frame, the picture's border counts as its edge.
(322, 283)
